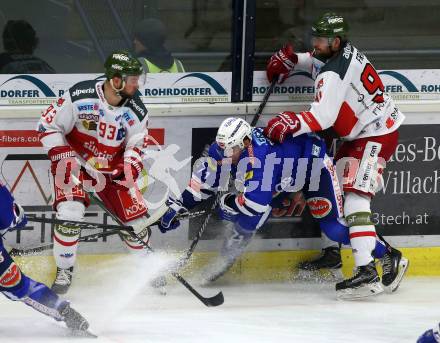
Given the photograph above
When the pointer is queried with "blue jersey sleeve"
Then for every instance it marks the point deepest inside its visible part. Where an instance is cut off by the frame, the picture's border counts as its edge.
(208, 174)
(260, 168)
(7, 215)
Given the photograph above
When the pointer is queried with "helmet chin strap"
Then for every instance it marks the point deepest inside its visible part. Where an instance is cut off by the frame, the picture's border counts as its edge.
(116, 89)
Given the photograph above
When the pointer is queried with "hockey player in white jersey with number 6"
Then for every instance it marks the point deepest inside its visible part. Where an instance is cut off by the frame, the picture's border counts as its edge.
(105, 124)
(349, 98)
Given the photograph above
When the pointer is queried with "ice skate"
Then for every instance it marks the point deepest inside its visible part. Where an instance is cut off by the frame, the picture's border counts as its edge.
(159, 284)
(364, 283)
(63, 280)
(233, 247)
(75, 321)
(394, 267)
(328, 265)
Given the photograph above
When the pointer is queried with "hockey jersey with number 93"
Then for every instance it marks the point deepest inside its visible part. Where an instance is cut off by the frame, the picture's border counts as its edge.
(98, 132)
(349, 96)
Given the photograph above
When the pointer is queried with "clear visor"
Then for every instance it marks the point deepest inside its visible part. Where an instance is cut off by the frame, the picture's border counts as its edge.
(230, 151)
(136, 80)
(319, 40)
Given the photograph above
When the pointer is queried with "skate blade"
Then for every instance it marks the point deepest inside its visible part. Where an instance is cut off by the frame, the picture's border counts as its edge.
(403, 267)
(160, 290)
(320, 276)
(82, 333)
(360, 292)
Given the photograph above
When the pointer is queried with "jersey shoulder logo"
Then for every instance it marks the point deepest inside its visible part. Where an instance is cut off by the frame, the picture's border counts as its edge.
(83, 90)
(138, 108)
(340, 63)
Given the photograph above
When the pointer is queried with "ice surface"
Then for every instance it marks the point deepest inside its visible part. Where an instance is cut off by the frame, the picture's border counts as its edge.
(121, 307)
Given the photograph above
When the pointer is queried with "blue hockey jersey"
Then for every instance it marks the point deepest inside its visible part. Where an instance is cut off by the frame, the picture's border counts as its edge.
(265, 169)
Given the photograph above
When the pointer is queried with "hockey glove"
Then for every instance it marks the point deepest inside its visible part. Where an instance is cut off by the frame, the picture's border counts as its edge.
(281, 126)
(125, 174)
(63, 164)
(226, 208)
(20, 219)
(169, 220)
(281, 64)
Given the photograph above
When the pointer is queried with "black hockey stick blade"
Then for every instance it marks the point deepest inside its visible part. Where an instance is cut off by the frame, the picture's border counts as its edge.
(216, 300)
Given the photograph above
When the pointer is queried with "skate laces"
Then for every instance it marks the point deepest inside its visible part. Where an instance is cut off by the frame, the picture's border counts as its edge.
(63, 276)
(356, 273)
(387, 263)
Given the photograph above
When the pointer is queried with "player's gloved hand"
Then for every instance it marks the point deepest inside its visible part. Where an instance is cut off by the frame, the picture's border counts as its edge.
(226, 210)
(281, 63)
(169, 220)
(279, 127)
(19, 221)
(125, 174)
(63, 164)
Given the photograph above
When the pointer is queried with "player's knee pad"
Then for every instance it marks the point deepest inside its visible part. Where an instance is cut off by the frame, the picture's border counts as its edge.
(357, 209)
(253, 223)
(66, 236)
(335, 229)
(362, 232)
(71, 210)
(355, 203)
(237, 241)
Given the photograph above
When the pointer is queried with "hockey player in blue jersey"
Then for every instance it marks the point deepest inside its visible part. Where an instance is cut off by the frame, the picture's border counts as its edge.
(430, 336)
(264, 169)
(17, 286)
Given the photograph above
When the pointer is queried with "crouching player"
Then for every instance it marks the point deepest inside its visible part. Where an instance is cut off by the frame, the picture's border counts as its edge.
(19, 287)
(265, 168)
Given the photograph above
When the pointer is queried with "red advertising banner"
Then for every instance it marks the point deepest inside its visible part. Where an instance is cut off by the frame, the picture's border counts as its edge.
(29, 138)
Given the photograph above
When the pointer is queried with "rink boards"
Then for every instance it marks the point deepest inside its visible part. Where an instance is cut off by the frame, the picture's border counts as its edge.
(406, 211)
(269, 266)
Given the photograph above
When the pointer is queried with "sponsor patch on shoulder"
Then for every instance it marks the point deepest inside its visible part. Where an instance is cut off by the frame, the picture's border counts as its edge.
(319, 207)
(11, 276)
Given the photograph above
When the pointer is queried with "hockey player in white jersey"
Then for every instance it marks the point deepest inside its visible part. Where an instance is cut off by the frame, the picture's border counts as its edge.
(350, 99)
(105, 124)
(19, 287)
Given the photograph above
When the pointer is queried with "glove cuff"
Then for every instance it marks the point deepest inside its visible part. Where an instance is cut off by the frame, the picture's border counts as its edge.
(59, 153)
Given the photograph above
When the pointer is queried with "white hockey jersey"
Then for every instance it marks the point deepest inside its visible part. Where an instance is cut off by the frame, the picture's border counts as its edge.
(349, 97)
(98, 132)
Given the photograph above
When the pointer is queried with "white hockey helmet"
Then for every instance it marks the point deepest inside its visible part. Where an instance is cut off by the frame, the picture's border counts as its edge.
(232, 133)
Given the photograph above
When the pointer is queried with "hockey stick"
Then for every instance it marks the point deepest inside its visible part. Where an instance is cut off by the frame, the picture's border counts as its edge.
(216, 300)
(264, 101)
(88, 238)
(97, 226)
(113, 230)
(183, 260)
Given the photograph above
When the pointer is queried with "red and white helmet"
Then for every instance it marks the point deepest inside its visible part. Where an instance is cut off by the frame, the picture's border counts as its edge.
(231, 134)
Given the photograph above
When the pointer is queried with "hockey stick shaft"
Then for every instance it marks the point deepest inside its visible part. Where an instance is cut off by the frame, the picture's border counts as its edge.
(77, 224)
(264, 102)
(97, 226)
(88, 238)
